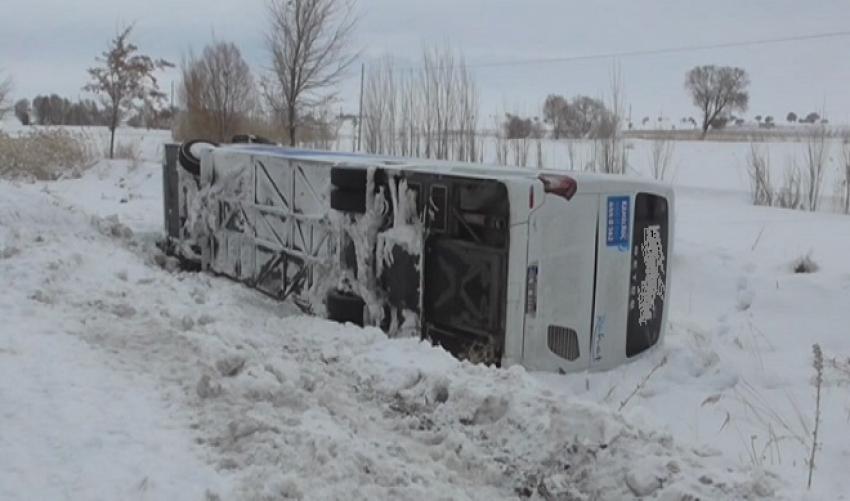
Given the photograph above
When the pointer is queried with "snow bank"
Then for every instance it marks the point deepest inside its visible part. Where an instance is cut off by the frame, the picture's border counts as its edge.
(197, 369)
(122, 379)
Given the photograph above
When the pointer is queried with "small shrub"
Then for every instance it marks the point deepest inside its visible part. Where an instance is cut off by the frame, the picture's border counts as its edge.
(804, 264)
(661, 158)
(44, 154)
(758, 169)
(126, 151)
(790, 194)
(817, 153)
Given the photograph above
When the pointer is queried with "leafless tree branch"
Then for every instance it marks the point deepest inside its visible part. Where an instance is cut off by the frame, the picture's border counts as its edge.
(717, 90)
(5, 95)
(309, 41)
(123, 79)
(217, 91)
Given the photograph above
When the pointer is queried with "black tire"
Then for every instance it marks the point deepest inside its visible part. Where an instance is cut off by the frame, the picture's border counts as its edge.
(344, 308)
(348, 201)
(348, 178)
(188, 160)
(250, 138)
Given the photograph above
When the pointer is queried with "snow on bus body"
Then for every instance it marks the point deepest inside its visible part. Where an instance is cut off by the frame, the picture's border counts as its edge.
(558, 271)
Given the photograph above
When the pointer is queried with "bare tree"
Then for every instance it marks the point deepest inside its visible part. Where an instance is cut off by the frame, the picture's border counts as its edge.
(817, 152)
(217, 91)
(22, 111)
(431, 113)
(381, 99)
(845, 183)
(556, 111)
(811, 118)
(124, 79)
(661, 158)
(309, 41)
(611, 149)
(716, 90)
(516, 135)
(320, 129)
(5, 95)
(450, 106)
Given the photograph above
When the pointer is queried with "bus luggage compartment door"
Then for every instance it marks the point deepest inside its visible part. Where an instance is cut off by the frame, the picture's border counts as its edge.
(559, 296)
(464, 298)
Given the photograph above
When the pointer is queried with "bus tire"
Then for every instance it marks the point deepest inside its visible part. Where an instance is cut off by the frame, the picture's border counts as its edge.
(348, 201)
(344, 308)
(188, 160)
(349, 178)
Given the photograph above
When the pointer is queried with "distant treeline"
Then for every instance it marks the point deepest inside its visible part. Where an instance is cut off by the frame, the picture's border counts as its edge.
(57, 110)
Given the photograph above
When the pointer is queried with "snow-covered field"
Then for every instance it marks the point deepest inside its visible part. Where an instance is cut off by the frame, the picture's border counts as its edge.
(120, 379)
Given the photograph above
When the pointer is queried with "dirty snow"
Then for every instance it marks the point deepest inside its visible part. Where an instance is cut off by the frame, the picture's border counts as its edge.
(122, 380)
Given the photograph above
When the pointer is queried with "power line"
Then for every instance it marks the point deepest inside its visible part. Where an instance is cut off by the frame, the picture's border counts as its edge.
(647, 52)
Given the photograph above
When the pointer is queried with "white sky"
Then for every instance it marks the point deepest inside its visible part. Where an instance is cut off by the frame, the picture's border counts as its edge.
(47, 45)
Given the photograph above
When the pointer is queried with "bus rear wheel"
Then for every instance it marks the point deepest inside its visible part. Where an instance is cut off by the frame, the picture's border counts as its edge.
(343, 307)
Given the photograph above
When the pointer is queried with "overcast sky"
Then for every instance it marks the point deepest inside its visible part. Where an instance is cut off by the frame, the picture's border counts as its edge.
(47, 44)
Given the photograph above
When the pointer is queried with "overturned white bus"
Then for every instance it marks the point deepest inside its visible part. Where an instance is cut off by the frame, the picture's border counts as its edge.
(553, 270)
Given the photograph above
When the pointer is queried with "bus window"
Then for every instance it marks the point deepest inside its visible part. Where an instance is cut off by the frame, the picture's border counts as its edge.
(648, 273)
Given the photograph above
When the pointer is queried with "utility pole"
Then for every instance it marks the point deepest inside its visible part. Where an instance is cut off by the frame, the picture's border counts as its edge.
(360, 112)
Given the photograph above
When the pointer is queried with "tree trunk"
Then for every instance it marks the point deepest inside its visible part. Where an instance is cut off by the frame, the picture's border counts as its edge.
(291, 123)
(112, 126)
(112, 142)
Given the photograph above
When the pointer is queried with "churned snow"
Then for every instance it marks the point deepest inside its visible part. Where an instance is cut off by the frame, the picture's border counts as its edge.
(120, 379)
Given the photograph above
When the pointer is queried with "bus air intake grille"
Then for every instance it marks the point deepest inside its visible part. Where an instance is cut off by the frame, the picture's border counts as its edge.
(563, 342)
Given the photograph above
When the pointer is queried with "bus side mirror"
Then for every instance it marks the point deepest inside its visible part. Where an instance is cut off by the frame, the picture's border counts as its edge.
(562, 186)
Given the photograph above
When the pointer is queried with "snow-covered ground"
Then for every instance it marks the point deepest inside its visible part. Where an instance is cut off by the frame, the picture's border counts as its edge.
(122, 380)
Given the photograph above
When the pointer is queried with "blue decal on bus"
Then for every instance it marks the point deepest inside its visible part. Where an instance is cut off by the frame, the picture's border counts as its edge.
(617, 234)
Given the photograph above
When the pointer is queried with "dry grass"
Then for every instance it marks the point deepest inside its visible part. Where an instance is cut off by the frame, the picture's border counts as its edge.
(776, 428)
(817, 364)
(45, 154)
(842, 369)
(642, 383)
(747, 134)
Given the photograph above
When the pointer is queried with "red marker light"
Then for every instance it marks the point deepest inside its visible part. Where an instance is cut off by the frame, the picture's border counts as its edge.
(563, 186)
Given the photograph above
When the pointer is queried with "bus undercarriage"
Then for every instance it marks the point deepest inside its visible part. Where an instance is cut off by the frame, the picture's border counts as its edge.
(417, 254)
